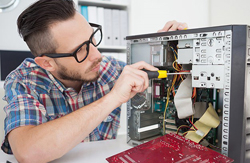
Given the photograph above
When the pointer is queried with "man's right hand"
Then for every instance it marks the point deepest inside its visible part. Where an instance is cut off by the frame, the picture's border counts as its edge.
(131, 81)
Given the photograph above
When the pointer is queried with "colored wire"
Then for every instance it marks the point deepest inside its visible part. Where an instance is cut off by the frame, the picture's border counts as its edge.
(176, 68)
(168, 97)
(194, 93)
(184, 134)
(176, 78)
(175, 54)
(192, 124)
(173, 91)
(182, 126)
(213, 146)
(168, 94)
(185, 71)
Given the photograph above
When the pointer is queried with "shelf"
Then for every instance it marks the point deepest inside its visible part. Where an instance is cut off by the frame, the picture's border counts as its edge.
(119, 49)
(112, 47)
(105, 4)
(113, 4)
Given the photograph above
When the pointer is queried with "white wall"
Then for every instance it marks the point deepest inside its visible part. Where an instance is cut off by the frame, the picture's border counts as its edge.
(147, 16)
(9, 37)
(224, 12)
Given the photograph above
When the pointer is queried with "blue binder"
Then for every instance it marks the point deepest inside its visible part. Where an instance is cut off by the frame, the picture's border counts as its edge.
(84, 12)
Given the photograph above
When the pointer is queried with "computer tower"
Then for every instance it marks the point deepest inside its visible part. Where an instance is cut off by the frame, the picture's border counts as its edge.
(218, 59)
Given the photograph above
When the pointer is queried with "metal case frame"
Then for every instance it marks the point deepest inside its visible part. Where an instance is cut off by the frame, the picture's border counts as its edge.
(235, 141)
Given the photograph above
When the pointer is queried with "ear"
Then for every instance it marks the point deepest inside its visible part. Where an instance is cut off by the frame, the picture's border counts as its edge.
(46, 63)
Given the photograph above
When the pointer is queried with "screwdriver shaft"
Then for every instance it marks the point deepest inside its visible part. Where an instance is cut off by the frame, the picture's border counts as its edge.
(179, 73)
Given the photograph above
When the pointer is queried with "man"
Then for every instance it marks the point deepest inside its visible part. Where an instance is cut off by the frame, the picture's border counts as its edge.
(69, 92)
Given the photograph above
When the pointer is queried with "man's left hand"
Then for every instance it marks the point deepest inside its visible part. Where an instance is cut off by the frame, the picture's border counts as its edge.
(173, 26)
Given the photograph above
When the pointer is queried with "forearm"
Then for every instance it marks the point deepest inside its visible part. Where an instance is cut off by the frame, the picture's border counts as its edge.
(53, 139)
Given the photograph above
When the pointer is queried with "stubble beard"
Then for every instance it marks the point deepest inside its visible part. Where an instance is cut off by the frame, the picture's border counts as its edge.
(66, 74)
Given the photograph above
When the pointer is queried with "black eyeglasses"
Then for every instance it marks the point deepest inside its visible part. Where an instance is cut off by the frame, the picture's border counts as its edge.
(81, 53)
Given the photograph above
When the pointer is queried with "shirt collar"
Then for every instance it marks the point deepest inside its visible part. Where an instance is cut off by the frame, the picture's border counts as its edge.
(57, 83)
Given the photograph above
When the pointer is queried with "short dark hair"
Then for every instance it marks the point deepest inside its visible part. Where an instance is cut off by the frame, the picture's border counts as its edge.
(34, 23)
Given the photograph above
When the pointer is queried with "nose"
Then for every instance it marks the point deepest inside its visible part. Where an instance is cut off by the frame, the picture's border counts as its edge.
(94, 53)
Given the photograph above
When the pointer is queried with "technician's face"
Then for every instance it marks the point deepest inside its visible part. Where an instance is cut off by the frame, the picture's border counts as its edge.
(69, 35)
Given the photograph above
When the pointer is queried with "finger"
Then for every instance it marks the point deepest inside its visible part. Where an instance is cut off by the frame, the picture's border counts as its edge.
(168, 25)
(144, 75)
(183, 26)
(137, 83)
(160, 30)
(174, 27)
(139, 73)
(144, 65)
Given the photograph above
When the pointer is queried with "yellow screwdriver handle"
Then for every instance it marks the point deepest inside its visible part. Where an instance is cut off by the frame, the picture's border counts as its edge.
(162, 74)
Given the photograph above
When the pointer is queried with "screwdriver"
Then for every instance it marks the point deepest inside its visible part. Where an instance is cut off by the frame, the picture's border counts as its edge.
(162, 74)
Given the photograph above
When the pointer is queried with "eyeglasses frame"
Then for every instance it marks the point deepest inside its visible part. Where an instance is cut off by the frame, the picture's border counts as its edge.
(74, 54)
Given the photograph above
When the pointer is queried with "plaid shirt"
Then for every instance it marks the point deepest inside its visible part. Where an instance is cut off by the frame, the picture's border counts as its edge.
(34, 97)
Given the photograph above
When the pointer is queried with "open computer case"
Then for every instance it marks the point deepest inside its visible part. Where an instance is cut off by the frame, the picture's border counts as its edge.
(218, 60)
